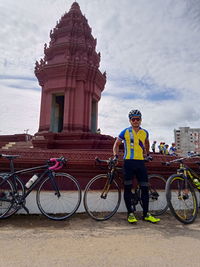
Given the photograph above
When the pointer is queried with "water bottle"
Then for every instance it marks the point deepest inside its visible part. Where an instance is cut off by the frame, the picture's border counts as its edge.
(31, 181)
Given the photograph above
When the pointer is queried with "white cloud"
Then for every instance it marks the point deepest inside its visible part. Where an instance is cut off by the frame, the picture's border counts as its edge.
(149, 49)
(19, 110)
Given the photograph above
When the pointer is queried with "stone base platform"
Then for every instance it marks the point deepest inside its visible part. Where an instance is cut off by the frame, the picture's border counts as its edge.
(65, 140)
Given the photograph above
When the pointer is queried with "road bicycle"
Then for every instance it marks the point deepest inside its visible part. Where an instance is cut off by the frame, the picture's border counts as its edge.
(58, 194)
(102, 196)
(180, 191)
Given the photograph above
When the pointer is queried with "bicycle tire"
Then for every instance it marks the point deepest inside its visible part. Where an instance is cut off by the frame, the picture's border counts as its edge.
(181, 201)
(96, 206)
(157, 199)
(6, 193)
(63, 207)
(20, 191)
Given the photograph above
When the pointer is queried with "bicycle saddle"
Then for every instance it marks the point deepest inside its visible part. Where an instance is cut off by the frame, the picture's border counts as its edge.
(9, 156)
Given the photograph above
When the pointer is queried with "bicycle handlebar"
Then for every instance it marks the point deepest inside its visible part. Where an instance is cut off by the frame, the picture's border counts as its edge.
(59, 162)
(180, 159)
(114, 162)
(110, 162)
(104, 161)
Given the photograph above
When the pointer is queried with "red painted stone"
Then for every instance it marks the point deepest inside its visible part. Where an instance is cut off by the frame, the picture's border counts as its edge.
(70, 77)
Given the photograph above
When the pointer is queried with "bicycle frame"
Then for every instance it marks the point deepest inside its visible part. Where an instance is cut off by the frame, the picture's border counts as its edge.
(112, 174)
(187, 173)
(27, 191)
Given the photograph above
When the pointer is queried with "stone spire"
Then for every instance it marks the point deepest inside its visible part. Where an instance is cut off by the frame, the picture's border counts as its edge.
(75, 7)
(71, 42)
(70, 68)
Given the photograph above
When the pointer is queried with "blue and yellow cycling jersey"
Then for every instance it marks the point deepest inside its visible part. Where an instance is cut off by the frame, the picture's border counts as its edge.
(134, 143)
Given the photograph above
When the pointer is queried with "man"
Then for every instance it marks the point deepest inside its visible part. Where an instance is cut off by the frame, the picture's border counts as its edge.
(172, 150)
(166, 151)
(162, 146)
(136, 147)
(153, 147)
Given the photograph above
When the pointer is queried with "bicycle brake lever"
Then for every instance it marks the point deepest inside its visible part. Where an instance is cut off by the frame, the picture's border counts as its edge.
(97, 160)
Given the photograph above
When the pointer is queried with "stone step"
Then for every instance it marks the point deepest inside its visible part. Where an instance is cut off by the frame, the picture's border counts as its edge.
(8, 145)
(18, 145)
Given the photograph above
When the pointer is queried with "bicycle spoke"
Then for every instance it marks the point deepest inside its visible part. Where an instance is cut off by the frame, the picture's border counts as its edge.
(6, 192)
(157, 199)
(182, 199)
(98, 206)
(59, 207)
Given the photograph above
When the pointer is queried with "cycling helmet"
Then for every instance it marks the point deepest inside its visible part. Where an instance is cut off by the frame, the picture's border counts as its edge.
(134, 113)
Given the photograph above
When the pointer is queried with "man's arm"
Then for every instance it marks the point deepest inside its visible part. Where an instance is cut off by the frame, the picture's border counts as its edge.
(147, 145)
(116, 147)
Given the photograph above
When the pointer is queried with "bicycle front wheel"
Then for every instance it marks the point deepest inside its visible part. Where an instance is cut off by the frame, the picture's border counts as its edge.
(101, 200)
(63, 205)
(181, 199)
(157, 199)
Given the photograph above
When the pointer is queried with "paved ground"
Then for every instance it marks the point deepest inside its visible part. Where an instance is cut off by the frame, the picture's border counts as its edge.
(28, 240)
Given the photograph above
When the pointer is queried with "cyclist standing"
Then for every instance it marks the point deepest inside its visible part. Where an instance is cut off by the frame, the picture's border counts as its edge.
(136, 148)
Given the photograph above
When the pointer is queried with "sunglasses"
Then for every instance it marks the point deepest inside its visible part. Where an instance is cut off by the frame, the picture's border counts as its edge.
(135, 119)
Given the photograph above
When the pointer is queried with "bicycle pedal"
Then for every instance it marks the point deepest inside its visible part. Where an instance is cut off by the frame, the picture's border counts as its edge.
(186, 196)
(154, 195)
(104, 196)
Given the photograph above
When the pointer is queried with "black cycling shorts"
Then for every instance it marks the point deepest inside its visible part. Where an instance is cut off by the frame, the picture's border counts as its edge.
(133, 167)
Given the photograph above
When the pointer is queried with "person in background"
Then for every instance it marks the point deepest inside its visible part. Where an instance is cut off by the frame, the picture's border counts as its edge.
(153, 147)
(172, 150)
(166, 151)
(161, 147)
(98, 131)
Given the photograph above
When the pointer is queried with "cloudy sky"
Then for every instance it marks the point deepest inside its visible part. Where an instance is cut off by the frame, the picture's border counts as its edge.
(149, 49)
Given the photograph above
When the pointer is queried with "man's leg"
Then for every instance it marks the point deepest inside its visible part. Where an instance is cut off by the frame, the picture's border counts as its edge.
(128, 174)
(144, 185)
(142, 177)
(145, 198)
(128, 196)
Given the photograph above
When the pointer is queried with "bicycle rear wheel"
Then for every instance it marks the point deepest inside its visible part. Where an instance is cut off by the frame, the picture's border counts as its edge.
(20, 191)
(157, 199)
(99, 203)
(59, 207)
(181, 199)
(6, 199)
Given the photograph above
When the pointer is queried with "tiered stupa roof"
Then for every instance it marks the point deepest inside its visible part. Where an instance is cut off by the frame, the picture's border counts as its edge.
(71, 44)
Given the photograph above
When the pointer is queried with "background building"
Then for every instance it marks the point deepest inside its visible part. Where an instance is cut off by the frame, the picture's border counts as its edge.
(187, 139)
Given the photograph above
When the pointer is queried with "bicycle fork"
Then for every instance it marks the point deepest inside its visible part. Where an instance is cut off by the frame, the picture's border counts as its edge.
(54, 184)
(107, 186)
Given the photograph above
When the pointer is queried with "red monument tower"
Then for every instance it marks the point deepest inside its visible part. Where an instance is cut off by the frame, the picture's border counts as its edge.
(71, 81)
(70, 77)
